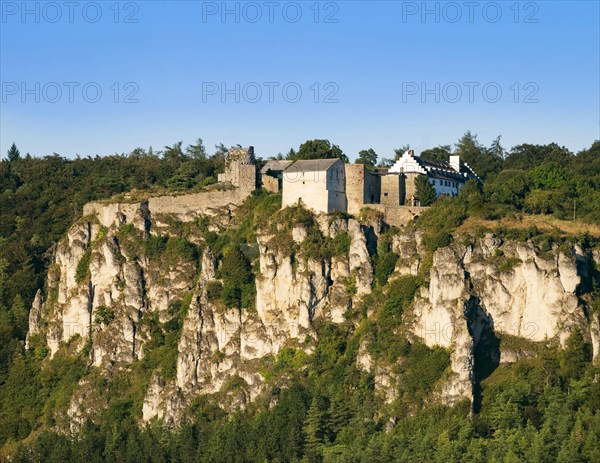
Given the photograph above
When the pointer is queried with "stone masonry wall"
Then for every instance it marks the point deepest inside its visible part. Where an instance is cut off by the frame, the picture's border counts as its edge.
(189, 206)
(397, 216)
(270, 184)
(362, 187)
(391, 190)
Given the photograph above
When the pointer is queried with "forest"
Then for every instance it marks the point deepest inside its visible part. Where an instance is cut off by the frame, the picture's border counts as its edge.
(323, 409)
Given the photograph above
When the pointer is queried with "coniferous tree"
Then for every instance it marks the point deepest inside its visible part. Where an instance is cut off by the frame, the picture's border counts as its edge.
(13, 153)
(367, 157)
(425, 192)
(314, 431)
(197, 151)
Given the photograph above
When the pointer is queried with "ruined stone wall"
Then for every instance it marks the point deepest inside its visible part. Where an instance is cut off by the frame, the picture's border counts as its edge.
(119, 213)
(187, 207)
(240, 168)
(270, 184)
(397, 216)
(247, 177)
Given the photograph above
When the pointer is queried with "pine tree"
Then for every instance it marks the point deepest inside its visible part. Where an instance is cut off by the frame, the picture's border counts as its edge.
(197, 151)
(13, 153)
(496, 148)
(314, 432)
(425, 192)
(19, 316)
(367, 157)
(338, 417)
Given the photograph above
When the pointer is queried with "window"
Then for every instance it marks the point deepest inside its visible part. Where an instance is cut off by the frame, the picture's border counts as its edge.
(385, 194)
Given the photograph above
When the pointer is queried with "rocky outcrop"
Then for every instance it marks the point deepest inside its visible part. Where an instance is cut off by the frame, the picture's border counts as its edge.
(35, 317)
(218, 344)
(107, 292)
(494, 289)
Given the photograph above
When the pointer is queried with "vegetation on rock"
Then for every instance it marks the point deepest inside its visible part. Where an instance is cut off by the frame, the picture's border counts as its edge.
(318, 406)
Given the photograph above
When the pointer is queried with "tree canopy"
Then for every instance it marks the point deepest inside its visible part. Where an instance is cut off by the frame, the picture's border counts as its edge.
(317, 149)
(368, 157)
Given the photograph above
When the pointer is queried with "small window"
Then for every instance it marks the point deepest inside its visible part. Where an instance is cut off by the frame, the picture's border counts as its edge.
(385, 194)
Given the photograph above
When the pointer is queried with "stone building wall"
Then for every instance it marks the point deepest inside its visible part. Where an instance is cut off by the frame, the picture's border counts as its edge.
(362, 187)
(269, 183)
(392, 190)
(409, 188)
(321, 190)
(310, 191)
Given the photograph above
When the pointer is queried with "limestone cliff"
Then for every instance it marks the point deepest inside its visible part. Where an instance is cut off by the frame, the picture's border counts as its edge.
(491, 289)
(121, 274)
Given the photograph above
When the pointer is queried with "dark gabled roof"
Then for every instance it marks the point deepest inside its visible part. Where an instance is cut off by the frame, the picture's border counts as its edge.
(443, 169)
(434, 163)
(275, 165)
(312, 165)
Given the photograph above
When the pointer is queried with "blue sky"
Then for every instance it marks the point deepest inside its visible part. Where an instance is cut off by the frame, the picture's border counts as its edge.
(371, 74)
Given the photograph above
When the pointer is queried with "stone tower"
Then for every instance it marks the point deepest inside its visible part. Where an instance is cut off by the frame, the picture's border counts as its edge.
(240, 168)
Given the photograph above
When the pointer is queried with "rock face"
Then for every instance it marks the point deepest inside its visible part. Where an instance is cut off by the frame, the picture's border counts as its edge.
(479, 292)
(104, 293)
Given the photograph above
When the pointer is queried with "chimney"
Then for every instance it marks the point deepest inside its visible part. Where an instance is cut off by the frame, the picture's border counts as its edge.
(411, 153)
(455, 163)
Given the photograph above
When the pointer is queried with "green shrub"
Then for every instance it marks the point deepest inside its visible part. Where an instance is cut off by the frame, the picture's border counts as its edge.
(82, 272)
(104, 315)
(155, 246)
(179, 248)
(238, 279)
(508, 264)
(385, 260)
(231, 295)
(423, 367)
(386, 263)
(400, 295)
(435, 240)
(341, 244)
(350, 285)
(214, 290)
(236, 268)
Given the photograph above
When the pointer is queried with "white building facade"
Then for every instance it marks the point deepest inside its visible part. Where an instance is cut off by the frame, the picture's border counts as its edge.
(318, 185)
(447, 178)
